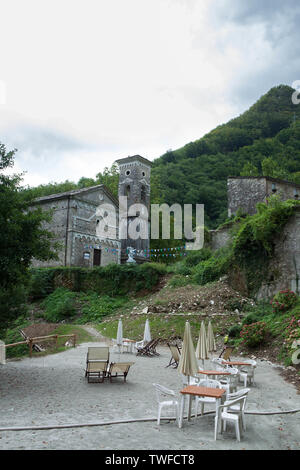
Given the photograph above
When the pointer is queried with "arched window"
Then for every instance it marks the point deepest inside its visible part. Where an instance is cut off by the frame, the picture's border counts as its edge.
(127, 190)
(143, 193)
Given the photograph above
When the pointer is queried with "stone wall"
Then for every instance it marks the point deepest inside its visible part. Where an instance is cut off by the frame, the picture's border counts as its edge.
(284, 268)
(245, 192)
(57, 226)
(74, 224)
(219, 238)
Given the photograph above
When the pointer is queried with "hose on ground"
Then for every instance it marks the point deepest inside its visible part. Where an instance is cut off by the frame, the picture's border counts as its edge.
(128, 421)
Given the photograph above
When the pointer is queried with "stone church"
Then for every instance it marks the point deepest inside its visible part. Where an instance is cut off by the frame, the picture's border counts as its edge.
(77, 215)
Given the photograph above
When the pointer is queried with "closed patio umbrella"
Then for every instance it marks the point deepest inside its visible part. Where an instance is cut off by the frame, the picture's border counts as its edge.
(211, 344)
(188, 365)
(147, 334)
(120, 335)
(2, 353)
(201, 350)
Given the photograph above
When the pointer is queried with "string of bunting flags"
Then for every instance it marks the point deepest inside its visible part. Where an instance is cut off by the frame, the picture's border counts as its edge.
(155, 252)
(164, 252)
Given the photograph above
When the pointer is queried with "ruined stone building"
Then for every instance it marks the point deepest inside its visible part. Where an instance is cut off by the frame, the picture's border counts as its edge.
(243, 195)
(78, 214)
(244, 192)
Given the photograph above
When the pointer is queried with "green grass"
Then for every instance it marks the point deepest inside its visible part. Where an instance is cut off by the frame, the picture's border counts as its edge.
(161, 326)
(13, 336)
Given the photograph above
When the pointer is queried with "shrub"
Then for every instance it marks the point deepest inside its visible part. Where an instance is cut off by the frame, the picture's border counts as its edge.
(96, 307)
(180, 268)
(283, 301)
(41, 283)
(234, 331)
(13, 335)
(12, 304)
(196, 257)
(212, 269)
(251, 318)
(59, 305)
(179, 281)
(253, 335)
(111, 280)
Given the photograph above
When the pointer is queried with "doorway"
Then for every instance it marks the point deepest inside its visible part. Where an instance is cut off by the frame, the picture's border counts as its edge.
(97, 257)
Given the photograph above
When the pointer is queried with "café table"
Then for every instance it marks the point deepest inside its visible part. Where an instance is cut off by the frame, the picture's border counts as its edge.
(236, 363)
(213, 373)
(192, 391)
(129, 344)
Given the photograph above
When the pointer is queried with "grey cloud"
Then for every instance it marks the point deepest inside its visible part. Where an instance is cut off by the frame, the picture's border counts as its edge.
(36, 139)
(245, 11)
(279, 22)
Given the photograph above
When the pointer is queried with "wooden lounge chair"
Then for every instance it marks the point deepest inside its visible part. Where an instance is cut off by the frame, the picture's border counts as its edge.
(175, 351)
(96, 371)
(118, 369)
(149, 349)
(95, 355)
(226, 353)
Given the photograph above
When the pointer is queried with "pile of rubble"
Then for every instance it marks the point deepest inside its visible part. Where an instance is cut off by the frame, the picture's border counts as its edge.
(213, 299)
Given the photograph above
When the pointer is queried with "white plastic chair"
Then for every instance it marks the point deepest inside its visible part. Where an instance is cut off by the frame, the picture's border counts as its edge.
(219, 361)
(230, 382)
(246, 373)
(139, 344)
(236, 408)
(190, 380)
(203, 400)
(166, 398)
(223, 415)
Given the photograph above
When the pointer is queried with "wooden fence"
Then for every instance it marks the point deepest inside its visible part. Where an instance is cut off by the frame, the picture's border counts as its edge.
(32, 341)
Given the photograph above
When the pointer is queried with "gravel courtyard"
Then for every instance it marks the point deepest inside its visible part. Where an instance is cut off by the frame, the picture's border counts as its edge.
(52, 391)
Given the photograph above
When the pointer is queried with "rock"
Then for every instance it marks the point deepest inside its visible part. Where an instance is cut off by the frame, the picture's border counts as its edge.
(145, 310)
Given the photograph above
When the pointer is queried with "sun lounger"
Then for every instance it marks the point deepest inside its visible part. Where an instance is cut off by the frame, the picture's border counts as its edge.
(226, 353)
(175, 351)
(149, 349)
(97, 354)
(96, 371)
(118, 369)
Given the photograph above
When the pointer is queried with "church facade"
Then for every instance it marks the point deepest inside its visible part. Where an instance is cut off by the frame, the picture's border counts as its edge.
(79, 214)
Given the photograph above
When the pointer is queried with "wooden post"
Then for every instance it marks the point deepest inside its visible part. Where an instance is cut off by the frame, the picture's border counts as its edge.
(30, 348)
(56, 341)
(74, 340)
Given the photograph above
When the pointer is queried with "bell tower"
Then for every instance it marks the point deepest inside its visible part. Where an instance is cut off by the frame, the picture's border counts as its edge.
(134, 201)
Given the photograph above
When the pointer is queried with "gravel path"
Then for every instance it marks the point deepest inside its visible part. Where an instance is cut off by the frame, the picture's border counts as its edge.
(52, 390)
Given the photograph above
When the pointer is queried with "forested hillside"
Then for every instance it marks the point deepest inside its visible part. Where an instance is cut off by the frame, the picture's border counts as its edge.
(265, 140)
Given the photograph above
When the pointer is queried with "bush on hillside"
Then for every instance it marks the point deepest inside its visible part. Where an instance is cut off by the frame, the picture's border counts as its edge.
(283, 301)
(213, 268)
(60, 305)
(253, 335)
(111, 280)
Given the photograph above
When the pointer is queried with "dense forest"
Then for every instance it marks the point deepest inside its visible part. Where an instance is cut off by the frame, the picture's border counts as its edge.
(265, 140)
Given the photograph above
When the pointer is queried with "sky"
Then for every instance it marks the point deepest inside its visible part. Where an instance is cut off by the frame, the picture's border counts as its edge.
(83, 83)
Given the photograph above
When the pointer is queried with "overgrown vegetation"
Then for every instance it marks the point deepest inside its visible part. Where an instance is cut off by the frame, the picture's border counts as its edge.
(265, 138)
(112, 280)
(249, 253)
(264, 327)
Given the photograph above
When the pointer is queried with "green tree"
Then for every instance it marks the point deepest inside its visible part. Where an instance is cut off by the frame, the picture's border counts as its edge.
(21, 238)
(271, 168)
(249, 170)
(110, 178)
